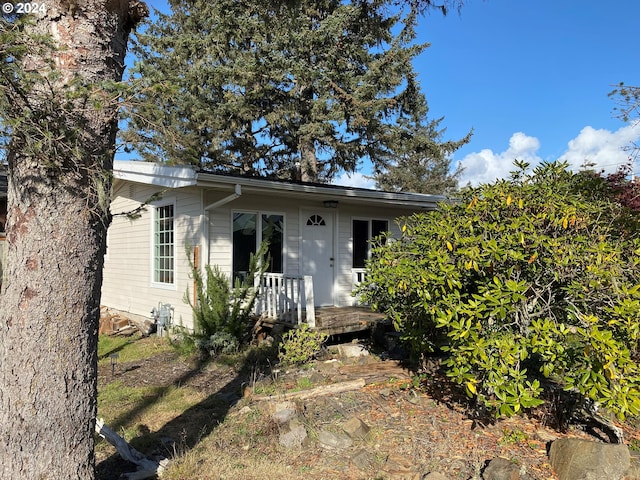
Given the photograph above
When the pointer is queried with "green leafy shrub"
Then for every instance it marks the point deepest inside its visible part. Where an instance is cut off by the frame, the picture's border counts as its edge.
(301, 345)
(222, 314)
(525, 282)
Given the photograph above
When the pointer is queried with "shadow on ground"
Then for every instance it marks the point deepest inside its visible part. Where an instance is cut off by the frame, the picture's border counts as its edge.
(192, 426)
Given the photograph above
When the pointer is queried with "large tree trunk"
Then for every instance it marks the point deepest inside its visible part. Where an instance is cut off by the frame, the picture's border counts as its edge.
(56, 229)
(308, 161)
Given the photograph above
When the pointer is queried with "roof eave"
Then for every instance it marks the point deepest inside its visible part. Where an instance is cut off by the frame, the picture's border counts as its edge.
(208, 180)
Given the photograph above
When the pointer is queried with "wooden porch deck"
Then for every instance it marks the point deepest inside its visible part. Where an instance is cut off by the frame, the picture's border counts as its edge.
(336, 320)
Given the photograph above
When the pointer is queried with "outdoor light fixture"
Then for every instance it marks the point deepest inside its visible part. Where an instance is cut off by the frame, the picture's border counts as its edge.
(114, 362)
(330, 204)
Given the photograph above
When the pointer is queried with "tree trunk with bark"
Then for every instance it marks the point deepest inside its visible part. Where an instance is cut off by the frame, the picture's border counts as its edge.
(56, 229)
(308, 161)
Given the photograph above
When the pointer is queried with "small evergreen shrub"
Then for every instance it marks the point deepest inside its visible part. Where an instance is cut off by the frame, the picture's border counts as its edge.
(222, 314)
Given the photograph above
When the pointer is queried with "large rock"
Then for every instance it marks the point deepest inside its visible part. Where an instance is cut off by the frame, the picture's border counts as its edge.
(576, 459)
(364, 460)
(284, 412)
(502, 469)
(332, 440)
(356, 428)
(294, 438)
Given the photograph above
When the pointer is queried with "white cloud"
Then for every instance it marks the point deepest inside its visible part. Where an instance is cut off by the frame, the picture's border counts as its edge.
(356, 180)
(487, 166)
(602, 148)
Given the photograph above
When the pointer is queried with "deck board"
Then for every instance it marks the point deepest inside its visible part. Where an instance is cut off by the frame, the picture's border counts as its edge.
(337, 320)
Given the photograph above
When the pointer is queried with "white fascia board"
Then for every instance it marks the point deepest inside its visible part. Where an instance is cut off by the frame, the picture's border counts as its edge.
(155, 174)
(352, 195)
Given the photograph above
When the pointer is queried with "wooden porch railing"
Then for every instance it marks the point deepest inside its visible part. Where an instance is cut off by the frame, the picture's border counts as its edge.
(357, 277)
(288, 298)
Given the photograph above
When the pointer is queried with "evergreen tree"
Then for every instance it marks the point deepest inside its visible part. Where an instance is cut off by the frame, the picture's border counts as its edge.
(422, 163)
(60, 68)
(277, 89)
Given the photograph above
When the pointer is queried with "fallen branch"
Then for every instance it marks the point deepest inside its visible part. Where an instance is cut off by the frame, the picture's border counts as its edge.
(146, 466)
(315, 392)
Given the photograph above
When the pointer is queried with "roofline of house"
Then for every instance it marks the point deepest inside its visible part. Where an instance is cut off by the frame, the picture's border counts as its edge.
(185, 176)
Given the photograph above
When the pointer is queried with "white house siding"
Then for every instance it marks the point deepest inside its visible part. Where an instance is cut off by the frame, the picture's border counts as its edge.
(128, 263)
(344, 276)
(221, 245)
(220, 228)
(127, 282)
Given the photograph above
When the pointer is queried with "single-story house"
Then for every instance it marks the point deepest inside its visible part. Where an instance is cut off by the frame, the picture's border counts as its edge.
(318, 237)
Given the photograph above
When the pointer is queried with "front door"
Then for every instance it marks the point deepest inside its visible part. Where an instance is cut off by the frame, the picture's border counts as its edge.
(317, 253)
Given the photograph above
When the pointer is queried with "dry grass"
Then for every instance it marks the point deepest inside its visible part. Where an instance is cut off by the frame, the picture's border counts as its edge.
(197, 418)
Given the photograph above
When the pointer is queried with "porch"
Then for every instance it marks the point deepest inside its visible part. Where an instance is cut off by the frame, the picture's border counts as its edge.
(288, 299)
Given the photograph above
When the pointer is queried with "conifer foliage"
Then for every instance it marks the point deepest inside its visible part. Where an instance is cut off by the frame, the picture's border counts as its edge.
(294, 90)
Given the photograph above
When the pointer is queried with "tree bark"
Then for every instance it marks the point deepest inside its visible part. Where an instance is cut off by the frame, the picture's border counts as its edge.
(308, 161)
(56, 230)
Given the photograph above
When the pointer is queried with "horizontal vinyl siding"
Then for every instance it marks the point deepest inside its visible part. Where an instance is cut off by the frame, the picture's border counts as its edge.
(127, 282)
(220, 229)
(344, 276)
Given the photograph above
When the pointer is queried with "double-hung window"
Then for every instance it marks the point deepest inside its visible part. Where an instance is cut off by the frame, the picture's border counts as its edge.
(250, 229)
(363, 232)
(164, 245)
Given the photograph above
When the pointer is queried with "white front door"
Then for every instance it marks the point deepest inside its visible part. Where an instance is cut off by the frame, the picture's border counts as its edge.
(317, 253)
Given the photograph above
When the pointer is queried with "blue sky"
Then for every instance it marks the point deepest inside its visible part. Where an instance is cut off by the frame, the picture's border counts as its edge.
(531, 79)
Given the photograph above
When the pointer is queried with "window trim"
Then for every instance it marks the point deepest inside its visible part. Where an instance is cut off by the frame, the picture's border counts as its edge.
(369, 221)
(162, 285)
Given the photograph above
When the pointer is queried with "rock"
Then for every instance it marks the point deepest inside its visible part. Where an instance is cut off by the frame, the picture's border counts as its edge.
(634, 470)
(364, 460)
(434, 476)
(400, 467)
(317, 378)
(352, 350)
(502, 469)
(356, 428)
(384, 392)
(576, 459)
(284, 411)
(334, 440)
(245, 410)
(294, 438)
(545, 436)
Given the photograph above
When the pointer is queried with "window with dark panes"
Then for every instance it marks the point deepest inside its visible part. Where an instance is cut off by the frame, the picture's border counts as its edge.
(249, 231)
(363, 231)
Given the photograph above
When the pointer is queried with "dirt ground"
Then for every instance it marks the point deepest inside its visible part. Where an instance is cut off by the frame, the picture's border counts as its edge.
(418, 430)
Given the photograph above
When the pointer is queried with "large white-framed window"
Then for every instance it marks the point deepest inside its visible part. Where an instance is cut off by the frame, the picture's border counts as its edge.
(163, 264)
(363, 230)
(250, 229)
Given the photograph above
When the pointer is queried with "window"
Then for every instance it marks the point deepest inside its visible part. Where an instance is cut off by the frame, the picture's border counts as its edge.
(251, 229)
(163, 245)
(363, 231)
